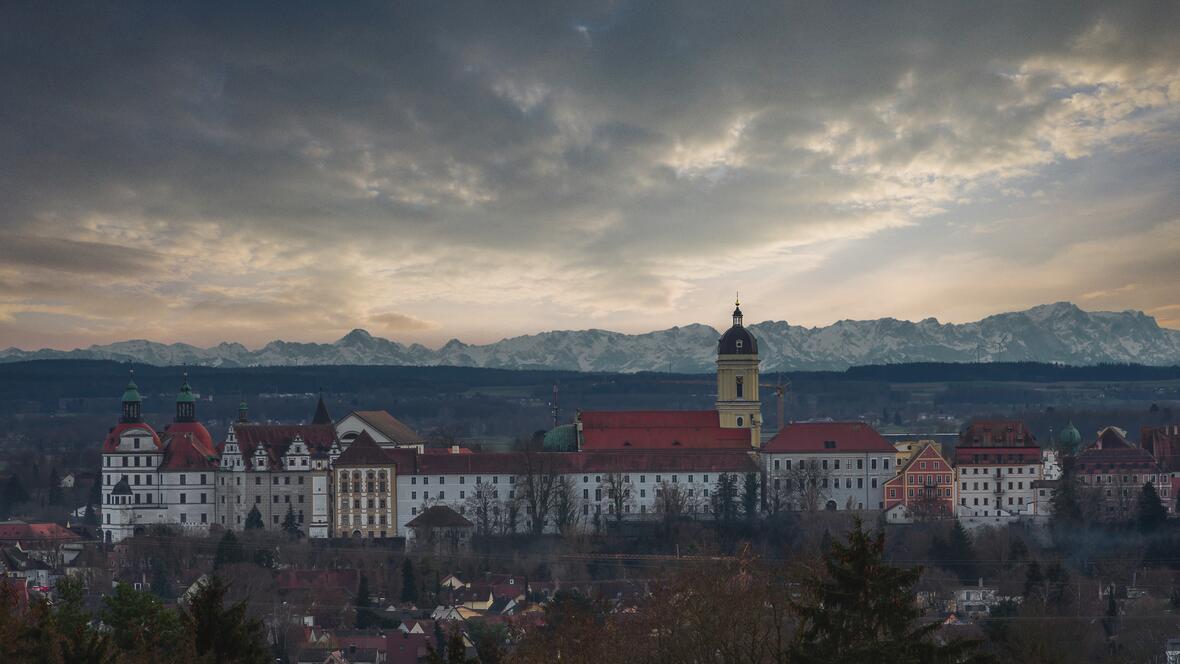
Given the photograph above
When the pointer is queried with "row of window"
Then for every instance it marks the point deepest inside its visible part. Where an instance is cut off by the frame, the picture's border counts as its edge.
(785, 464)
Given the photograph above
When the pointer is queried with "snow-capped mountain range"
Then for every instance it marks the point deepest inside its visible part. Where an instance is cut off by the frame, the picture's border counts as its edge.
(1058, 332)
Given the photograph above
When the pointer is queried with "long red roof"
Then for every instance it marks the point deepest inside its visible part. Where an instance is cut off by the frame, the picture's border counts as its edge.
(196, 432)
(829, 437)
(658, 430)
(185, 452)
(277, 438)
(997, 456)
(512, 463)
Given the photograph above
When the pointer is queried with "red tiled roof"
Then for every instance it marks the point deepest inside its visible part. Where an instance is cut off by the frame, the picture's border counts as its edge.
(830, 437)
(393, 428)
(996, 433)
(364, 451)
(30, 532)
(183, 452)
(512, 463)
(402, 648)
(658, 429)
(1116, 458)
(997, 456)
(112, 440)
(927, 453)
(196, 432)
(277, 438)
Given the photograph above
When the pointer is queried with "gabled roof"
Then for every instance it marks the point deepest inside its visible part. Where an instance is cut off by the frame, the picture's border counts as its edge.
(1112, 438)
(927, 453)
(390, 426)
(111, 442)
(658, 430)
(997, 433)
(364, 451)
(439, 516)
(828, 437)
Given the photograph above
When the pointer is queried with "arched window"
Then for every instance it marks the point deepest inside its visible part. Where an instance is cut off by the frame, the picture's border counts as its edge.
(370, 481)
(739, 420)
(739, 383)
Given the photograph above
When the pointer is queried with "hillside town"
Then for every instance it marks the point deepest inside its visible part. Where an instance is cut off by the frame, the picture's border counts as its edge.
(379, 545)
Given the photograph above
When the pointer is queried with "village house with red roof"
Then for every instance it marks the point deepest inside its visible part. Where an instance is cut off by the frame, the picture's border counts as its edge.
(997, 463)
(923, 489)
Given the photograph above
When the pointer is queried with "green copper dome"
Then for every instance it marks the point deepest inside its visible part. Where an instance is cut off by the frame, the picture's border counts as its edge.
(562, 438)
(1069, 436)
(131, 394)
(186, 393)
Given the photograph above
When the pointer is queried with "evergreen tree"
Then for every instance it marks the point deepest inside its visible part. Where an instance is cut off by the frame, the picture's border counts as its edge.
(1066, 503)
(454, 653)
(750, 496)
(291, 525)
(161, 582)
(77, 641)
(409, 583)
(95, 493)
(862, 610)
(1056, 583)
(55, 497)
(89, 516)
(961, 553)
(254, 519)
(15, 494)
(140, 626)
(1150, 513)
(363, 614)
(725, 497)
(1034, 580)
(229, 551)
(220, 633)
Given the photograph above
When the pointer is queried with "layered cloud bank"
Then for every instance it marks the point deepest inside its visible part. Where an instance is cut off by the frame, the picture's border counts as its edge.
(185, 172)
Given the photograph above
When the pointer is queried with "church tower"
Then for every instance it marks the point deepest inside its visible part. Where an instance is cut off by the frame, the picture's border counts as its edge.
(738, 403)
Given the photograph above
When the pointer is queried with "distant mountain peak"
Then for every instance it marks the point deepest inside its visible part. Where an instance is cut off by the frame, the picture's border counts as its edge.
(1058, 332)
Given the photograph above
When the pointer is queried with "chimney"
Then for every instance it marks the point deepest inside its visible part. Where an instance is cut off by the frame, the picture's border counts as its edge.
(454, 449)
(981, 582)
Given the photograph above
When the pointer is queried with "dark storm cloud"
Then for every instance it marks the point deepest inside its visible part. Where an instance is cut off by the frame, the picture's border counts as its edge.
(599, 157)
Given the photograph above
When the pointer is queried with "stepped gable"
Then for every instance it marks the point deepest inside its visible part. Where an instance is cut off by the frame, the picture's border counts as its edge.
(364, 451)
(111, 442)
(393, 428)
(830, 437)
(658, 430)
(277, 438)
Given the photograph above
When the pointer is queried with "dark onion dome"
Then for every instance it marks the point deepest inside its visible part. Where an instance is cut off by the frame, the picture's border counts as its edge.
(562, 438)
(737, 340)
(1069, 437)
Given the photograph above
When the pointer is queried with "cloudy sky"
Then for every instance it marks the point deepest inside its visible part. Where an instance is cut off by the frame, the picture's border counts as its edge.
(429, 170)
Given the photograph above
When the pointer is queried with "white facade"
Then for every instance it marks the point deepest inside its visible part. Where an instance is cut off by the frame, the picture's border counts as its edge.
(845, 480)
(997, 490)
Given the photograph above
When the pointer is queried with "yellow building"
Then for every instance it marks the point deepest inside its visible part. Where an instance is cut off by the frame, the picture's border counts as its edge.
(908, 448)
(738, 402)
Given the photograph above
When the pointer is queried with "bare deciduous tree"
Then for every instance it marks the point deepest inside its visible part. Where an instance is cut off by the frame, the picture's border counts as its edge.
(620, 494)
(565, 507)
(806, 485)
(482, 508)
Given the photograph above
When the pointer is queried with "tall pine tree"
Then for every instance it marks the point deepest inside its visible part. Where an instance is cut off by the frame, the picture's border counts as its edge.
(862, 610)
(409, 582)
(254, 519)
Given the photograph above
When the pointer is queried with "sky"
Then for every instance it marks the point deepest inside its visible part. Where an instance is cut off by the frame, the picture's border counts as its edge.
(426, 170)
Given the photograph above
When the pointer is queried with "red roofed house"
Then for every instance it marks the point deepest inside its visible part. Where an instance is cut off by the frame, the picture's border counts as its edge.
(1118, 470)
(827, 465)
(1164, 444)
(996, 464)
(924, 487)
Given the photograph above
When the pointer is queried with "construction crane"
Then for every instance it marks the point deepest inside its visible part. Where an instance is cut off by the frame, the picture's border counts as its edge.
(780, 395)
